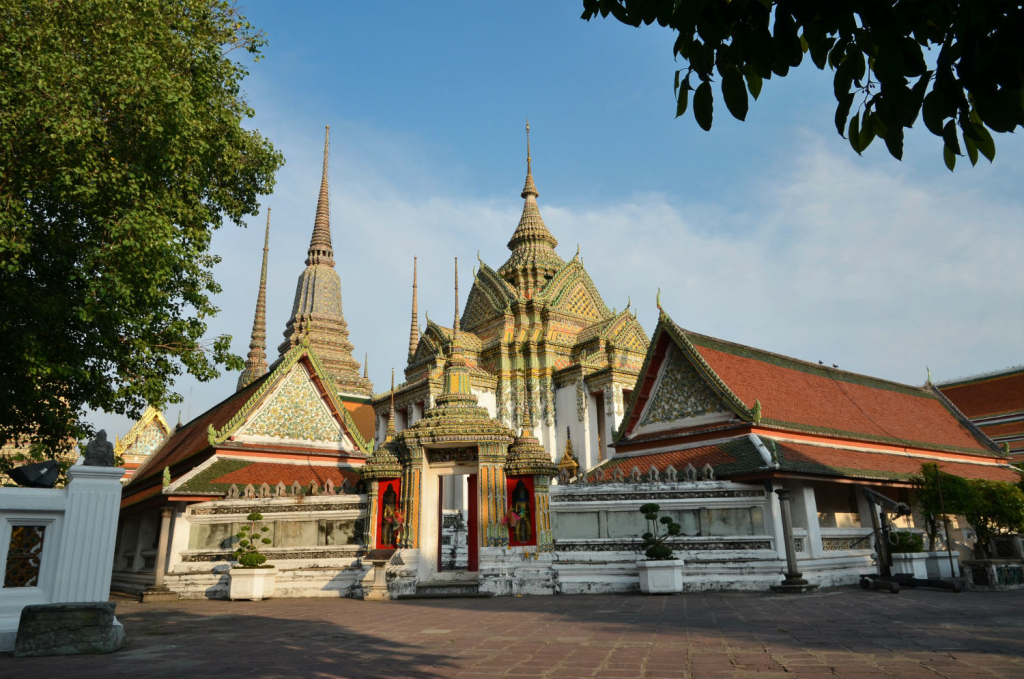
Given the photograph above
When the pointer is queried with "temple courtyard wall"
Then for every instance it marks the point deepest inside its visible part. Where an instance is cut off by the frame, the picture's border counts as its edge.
(731, 541)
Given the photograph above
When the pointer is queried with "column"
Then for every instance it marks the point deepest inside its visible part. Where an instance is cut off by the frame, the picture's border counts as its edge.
(159, 592)
(86, 557)
(794, 582)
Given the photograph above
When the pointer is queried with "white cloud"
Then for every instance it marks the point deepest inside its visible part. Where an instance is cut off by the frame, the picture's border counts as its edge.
(834, 258)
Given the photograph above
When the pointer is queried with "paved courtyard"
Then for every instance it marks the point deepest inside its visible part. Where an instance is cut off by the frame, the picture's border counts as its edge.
(837, 633)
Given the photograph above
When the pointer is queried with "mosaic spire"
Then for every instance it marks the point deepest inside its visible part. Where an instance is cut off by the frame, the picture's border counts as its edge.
(533, 258)
(456, 389)
(391, 416)
(317, 311)
(320, 250)
(366, 365)
(256, 361)
(414, 328)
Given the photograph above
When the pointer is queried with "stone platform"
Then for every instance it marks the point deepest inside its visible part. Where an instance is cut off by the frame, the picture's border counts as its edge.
(831, 634)
(68, 629)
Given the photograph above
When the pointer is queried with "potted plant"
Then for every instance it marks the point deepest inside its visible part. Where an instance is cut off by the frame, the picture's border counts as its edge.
(252, 578)
(908, 555)
(660, 573)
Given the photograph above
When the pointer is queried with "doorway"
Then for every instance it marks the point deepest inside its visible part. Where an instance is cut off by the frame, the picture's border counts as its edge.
(457, 540)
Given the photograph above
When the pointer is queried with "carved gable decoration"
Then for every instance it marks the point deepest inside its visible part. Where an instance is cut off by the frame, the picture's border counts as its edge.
(579, 301)
(628, 334)
(680, 393)
(480, 308)
(295, 410)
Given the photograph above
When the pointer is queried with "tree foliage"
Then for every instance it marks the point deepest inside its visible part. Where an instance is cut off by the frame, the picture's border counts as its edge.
(960, 65)
(122, 148)
(997, 507)
(250, 537)
(957, 496)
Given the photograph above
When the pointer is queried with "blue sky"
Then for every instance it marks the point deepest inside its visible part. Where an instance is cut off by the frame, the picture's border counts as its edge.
(770, 232)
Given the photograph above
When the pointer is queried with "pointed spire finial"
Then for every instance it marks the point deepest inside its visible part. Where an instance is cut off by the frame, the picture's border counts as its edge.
(366, 364)
(657, 300)
(320, 249)
(256, 361)
(414, 328)
(391, 416)
(529, 189)
(455, 333)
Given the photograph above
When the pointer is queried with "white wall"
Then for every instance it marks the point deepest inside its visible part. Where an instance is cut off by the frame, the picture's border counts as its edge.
(80, 527)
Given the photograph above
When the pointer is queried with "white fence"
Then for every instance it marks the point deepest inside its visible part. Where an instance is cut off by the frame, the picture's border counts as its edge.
(57, 545)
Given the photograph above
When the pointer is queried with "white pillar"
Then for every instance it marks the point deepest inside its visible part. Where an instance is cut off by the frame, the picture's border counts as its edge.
(90, 529)
(809, 506)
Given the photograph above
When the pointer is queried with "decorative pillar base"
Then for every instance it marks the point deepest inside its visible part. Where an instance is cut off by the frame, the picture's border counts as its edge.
(378, 591)
(156, 594)
(794, 584)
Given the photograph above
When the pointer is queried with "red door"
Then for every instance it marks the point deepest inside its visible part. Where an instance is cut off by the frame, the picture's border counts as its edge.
(473, 534)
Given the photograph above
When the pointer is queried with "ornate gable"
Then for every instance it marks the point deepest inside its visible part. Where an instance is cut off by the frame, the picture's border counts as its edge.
(294, 410)
(144, 437)
(490, 296)
(680, 393)
(296, 403)
(572, 291)
(626, 332)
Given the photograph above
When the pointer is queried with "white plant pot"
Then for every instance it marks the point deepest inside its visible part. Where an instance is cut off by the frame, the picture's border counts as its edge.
(914, 564)
(661, 577)
(254, 584)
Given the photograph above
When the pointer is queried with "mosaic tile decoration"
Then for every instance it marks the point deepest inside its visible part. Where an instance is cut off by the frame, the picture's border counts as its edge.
(681, 393)
(295, 411)
(23, 556)
(148, 441)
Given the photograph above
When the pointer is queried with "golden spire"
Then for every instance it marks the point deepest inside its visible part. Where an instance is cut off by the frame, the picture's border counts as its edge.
(414, 328)
(366, 364)
(256, 362)
(320, 249)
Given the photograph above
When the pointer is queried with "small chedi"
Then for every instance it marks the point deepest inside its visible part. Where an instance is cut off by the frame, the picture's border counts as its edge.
(525, 435)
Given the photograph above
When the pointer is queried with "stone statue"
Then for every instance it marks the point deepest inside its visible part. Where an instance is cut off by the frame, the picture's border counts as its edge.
(100, 451)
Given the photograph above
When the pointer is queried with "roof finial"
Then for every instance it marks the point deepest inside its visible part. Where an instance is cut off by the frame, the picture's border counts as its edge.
(414, 328)
(929, 374)
(455, 331)
(391, 416)
(256, 362)
(366, 364)
(320, 249)
(657, 301)
(529, 189)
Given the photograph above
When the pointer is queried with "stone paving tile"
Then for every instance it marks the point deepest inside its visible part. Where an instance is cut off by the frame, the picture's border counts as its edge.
(837, 634)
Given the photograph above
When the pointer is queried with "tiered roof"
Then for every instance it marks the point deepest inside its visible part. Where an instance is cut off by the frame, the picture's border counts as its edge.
(209, 440)
(748, 412)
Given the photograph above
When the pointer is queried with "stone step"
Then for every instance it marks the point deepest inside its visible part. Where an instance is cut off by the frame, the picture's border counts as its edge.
(453, 587)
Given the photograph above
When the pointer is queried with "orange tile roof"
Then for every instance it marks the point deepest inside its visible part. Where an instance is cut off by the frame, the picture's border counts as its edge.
(363, 417)
(988, 396)
(806, 397)
(846, 463)
(729, 457)
(1005, 429)
(272, 473)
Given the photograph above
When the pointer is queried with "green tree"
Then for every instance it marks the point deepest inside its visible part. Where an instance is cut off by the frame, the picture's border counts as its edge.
(997, 507)
(122, 147)
(974, 82)
(957, 496)
(654, 542)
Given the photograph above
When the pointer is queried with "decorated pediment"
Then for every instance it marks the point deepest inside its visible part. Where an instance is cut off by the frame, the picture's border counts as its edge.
(145, 436)
(572, 291)
(627, 333)
(680, 394)
(295, 411)
(490, 296)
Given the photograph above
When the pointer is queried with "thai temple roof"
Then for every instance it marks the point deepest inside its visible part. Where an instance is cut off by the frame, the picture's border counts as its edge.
(780, 414)
(317, 310)
(533, 258)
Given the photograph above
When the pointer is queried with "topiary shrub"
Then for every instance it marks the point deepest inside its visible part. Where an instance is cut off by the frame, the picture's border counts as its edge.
(249, 541)
(654, 542)
(905, 542)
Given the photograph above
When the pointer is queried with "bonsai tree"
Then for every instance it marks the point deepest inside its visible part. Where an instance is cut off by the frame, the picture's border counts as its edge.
(249, 541)
(996, 507)
(653, 540)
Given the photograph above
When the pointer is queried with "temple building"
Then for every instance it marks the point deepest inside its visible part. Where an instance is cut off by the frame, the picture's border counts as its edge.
(141, 441)
(541, 346)
(995, 403)
(443, 484)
